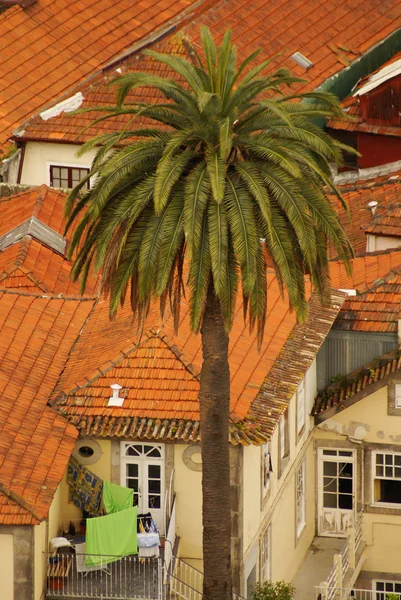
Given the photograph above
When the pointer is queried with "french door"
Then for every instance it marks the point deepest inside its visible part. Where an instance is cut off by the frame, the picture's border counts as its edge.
(142, 469)
(336, 491)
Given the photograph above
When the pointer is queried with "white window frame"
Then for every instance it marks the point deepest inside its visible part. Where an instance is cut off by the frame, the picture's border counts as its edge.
(284, 435)
(397, 395)
(380, 594)
(392, 466)
(301, 407)
(300, 498)
(68, 165)
(265, 554)
(266, 469)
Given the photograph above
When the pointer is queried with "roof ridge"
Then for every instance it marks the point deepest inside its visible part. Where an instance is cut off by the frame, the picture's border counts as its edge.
(28, 274)
(20, 501)
(178, 353)
(105, 367)
(367, 254)
(50, 296)
(365, 185)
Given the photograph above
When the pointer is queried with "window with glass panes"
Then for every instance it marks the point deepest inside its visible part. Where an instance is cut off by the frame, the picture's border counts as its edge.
(67, 177)
(382, 588)
(300, 498)
(387, 477)
(338, 479)
(264, 554)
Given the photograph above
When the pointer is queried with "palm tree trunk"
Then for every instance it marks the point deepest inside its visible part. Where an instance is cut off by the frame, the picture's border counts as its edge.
(214, 397)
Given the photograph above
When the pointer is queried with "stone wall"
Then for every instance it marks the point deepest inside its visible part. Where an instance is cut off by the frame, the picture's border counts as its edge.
(23, 559)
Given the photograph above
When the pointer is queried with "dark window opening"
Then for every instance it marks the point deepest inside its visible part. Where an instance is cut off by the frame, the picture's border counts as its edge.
(86, 451)
(390, 491)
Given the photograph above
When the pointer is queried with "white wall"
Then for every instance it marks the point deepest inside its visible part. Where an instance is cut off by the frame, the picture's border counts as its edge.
(40, 155)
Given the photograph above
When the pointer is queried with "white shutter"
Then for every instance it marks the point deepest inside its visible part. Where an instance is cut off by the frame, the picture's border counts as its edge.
(282, 436)
(301, 406)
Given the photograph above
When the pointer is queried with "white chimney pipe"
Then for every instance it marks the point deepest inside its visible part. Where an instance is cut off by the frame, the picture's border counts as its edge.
(373, 205)
(115, 399)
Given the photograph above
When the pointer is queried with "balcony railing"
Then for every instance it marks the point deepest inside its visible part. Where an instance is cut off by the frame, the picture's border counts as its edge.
(346, 566)
(122, 578)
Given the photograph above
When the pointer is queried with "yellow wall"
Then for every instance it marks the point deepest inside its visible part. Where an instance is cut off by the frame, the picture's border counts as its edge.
(102, 468)
(251, 494)
(40, 549)
(189, 506)
(39, 155)
(278, 508)
(7, 566)
(367, 420)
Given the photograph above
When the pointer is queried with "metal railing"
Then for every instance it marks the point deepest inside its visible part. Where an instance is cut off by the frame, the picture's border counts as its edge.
(186, 582)
(344, 564)
(112, 577)
(170, 540)
(122, 578)
(352, 594)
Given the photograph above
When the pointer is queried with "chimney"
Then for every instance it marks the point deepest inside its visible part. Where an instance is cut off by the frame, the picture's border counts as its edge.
(115, 399)
(373, 205)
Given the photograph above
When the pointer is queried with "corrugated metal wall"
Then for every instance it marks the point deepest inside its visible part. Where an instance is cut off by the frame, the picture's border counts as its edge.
(344, 351)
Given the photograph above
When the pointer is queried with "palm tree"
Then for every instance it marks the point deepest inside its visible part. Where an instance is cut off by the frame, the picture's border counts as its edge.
(230, 173)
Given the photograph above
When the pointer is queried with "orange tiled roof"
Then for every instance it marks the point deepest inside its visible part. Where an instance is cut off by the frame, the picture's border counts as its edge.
(385, 191)
(154, 371)
(36, 335)
(366, 269)
(12, 513)
(377, 309)
(102, 341)
(29, 264)
(50, 46)
(278, 27)
(43, 202)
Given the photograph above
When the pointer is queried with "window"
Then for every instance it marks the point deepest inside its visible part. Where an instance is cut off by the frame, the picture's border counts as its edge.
(67, 177)
(397, 395)
(283, 431)
(387, 478)
(266, 469)
(264, 554)
(301, 407)
(300, 498)
(382, 588)
(338, 473)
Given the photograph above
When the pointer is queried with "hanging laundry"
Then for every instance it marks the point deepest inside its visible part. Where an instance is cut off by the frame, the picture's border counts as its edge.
(85, 486)
(111, 537)
(117, 497)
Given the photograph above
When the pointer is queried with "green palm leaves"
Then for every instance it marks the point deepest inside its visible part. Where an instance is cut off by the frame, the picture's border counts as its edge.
(228, 180)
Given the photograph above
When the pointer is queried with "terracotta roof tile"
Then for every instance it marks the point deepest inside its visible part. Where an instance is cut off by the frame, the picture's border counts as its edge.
(29, 264)
(50, 46)
(366, 269)
(338, 394)
(387, 193)
(376, 310)
(280, 28)
(36, 335)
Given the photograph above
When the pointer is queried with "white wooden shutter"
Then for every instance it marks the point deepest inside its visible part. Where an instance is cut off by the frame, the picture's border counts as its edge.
(301, 406)
(397, 395)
